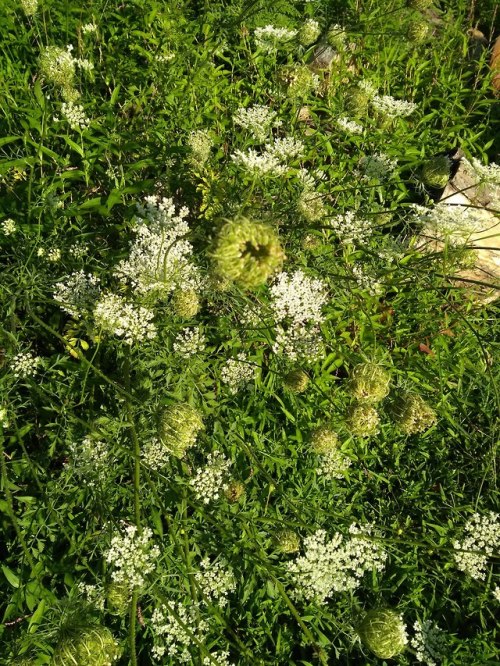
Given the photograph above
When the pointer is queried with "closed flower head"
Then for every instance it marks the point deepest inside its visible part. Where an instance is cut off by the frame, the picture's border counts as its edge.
(383, 632)
(179, 427)
(369, 382)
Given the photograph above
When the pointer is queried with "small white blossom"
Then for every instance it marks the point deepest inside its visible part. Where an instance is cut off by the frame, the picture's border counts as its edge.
(429, 642)
(92, 461)
(87, 66)
(333, 464)
(29, 7)
(92, 594)
(89, 28)
(378, 167)
(4, 421)
(310, 205)
(74, 114)
(286, 148)
(349, 228)
(25, 364)
(200, 143)
(115, 315)
(263, 164)
(177, 635)
(391, 107)
(349, 126)
(155, 454)
(298, 298)
(189, 342)
(78, 293)
(299, 342)
(237, 372)
(211, 480)
(54, 255)
(9, 227)
(452, 222)
(481, 540)
(132, 556)
(270, 38)
(366, 282)
(496, 593)
(216, 580)
(221, 658)
(257, 119)
(487, 173)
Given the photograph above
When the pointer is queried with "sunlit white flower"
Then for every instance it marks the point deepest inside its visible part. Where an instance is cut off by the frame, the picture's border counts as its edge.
(176, 629)
(350, 228)
(78, 293)
(210, 481)
(25, 364)
(269, 38)
(189, 341)
(298, 298)
(132, 556)
(481, 540)
(429, 642)
(391, 107)
(9, 227)
(378, 167)
(216, 580)
(349, 126)
(113, 314)
(257, 119)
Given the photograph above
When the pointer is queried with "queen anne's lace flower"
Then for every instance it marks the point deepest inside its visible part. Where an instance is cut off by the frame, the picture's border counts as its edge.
(237, 372)
(78, 293)
(216, 580)
(74, 114)
(349, 126)
(298, 298)
(132, 556)
(113, 314)
(8, 227)
(211, 481)
(378, 167)
(25, 364)
(482, 533)
(189, 342)
(92, 461)
(269, 38)
(429, 642)
(349, 228)
(257, 119)
(178, 629)
(391, 107)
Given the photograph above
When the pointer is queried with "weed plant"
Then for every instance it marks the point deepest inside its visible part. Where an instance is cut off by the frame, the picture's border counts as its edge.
(246, 417)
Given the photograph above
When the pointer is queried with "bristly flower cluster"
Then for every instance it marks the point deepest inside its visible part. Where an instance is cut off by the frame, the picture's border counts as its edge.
(210, 482)
(429, 642)
(258, 120)
(482, 540)
(132, 556)
(335, 565)
(114, 315)
(216, 581)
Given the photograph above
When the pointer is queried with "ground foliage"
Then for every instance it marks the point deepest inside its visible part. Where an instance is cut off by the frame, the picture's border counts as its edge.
(80, 414)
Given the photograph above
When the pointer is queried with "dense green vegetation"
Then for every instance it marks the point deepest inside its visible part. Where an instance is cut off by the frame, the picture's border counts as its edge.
(249, 412)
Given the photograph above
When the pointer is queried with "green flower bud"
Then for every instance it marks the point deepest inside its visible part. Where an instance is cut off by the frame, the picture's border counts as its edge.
(179, 427)
(300, 80)
(413, 414)
(247, 252)
(357, 101)
(324, 440)
(309, 32)
(57, 66)
(234, 491)
(383, 632)
(185, 303)
(421, 5)
(436, 172)
(336, 37)
(418, 30)
(370, 382)
(118, 598)
(296, 381)
(287, 541)
(91, 646)
(363, 420)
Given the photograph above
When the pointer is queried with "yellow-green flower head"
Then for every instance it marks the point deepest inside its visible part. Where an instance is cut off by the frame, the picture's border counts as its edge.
(324, 440)
(57, 65)
(383, 632)
(363, 420)
(296, 381)
(185, 303)
(337, 37)
(309, 32)
(357, 101)
(29, 7)
(118, 598)
(179, 427)
(436, 172)
(91, 646)
(300, 80)
(418, 30)
(234, 491)
(413, 414)
(370, 382)
(287, 541)
(419, 4)
(247, 252)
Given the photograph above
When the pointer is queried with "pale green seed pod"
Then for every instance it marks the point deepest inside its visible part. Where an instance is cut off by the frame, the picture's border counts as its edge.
(296, 381)
(179, 427)
(91, 646)
(413, 414)
(357, 101)
(118, 598)
(247, 253)
(287, 541)
(363, 420)
(309, 32)
(436, 172)
(421, 5)
(418, 30)
(185, 303)
(234, 491)
(383, 632)
(370, 382)
(324, 440)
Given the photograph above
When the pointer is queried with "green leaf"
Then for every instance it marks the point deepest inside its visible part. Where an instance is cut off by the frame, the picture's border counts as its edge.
(37, 617)
(10, 576)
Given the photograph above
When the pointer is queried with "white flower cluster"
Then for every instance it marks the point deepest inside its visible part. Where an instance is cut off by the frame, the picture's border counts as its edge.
(452, 222)
(4, 420)
(257, 119)
(113, 314)
(262, 164)
(221, 658)
(25, 364)
(237, 372)
(378, 167)
(29, 6)
(286, 148)
(489, 173)
(8, 227)
(189, 341)
(78, 293)
(482, 533)
(310, 205)
(496, 593)
(429, 642)
(391, 107)
(333, 464)
(54, 255)
(177, 635)
(74, 115)
(216, 580)
(270, 38)
(160, 257)
(298, 298)
(88, 28)
(366, 282)
(212, 479)
(155, 455)
(349, 126)
(335, 565)
(299, 343)
(200, 143)
(349, 228)
(93, 595)
(91, 461)
(132, 556)
(85, 64)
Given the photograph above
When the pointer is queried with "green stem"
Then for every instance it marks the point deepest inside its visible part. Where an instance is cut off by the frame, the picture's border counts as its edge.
(132, 628)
